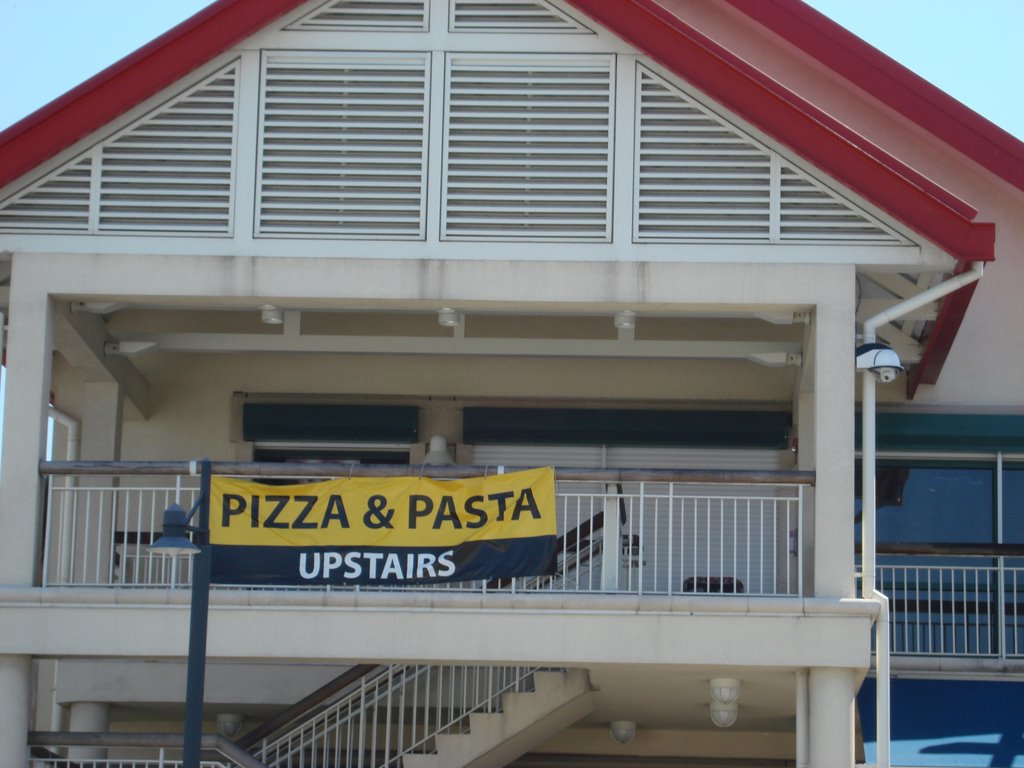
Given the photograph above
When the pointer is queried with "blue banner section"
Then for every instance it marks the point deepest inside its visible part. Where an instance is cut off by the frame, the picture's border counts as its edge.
(394, 566)
(949, 722)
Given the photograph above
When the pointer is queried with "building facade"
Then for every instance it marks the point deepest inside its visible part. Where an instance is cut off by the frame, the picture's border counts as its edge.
(639, 242)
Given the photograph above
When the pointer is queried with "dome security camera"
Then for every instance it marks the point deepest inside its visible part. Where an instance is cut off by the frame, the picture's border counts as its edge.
(881, 360)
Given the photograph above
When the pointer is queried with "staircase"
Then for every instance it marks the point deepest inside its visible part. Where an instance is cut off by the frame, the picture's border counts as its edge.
(434, 717)
(495, 739)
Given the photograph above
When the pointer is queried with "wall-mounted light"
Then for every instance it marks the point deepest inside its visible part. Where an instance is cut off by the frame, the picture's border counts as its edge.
(625, 319)
(448, 317)
(270, 314)
(622, 731)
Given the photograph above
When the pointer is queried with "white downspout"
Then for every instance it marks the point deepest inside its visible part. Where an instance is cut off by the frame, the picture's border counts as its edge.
(868, 499)
(74, 429)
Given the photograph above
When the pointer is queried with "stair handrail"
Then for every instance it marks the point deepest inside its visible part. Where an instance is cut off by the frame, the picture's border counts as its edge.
(369, 695)
(212, 742)
(318, 699)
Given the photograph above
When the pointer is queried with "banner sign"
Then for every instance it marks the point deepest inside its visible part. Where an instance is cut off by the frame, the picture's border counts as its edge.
(403, 530)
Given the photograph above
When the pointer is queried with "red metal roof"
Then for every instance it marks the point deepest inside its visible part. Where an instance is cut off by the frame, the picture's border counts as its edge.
(903, 193)
(891, 83)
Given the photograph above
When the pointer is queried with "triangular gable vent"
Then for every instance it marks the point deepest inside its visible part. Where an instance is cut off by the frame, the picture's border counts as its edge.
(528, 147)
(58, 202)
(511, 16)
(168, 172)
(365, 14)
(701, 178)
(344, 145)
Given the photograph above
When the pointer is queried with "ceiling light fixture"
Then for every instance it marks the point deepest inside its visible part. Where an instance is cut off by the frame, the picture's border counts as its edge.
(725, 690)
(724, 715)
(622, 731)
(625, 319)
(448, 317)
(270, 314)
(438, 453)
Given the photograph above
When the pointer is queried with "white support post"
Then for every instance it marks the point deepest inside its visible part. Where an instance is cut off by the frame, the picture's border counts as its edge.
(21, 489)
(611, 542)
(832, 695)
(88, 717)
(834, 324)
(802, 716)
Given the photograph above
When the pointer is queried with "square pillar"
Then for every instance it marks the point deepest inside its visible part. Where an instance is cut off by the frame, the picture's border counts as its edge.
(26, 406)
(833, 441)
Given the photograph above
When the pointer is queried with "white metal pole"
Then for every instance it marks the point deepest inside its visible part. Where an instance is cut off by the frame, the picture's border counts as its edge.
(802, 716)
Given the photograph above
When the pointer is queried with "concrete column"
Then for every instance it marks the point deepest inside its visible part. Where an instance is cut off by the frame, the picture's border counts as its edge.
(834, 375)
(24, 444)
(832, 696)
(26, 403)
(15, 673)
(88, 716)
(101, 421)
(102, 405)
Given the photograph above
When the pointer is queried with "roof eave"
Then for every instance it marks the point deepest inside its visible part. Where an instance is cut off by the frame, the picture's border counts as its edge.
(890, 82)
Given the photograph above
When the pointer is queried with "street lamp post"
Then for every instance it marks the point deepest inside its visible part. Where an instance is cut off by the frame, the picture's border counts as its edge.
(174, 540)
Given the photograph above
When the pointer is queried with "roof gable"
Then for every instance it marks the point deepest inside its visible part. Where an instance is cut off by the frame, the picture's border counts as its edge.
(849, 158)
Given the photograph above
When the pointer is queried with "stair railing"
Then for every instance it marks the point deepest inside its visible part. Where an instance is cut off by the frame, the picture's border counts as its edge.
(397, 711)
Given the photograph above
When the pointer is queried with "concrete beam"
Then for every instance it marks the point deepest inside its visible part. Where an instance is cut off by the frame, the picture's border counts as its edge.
(81, 338)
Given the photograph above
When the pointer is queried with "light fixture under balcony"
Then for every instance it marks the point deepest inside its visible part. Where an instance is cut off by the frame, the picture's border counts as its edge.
(724, 693)
(437, 452)
(270, 314)
(625, 319)
(725, 690)
(449, 317)
(724, 715)
(622, 731)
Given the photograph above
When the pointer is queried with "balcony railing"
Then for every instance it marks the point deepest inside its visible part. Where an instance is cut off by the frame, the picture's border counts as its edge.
(972, 608)
(644, 532)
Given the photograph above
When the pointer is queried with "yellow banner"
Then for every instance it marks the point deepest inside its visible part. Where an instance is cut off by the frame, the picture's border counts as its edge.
(383, 512)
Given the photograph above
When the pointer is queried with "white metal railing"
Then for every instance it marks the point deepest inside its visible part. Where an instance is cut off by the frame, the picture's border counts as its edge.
(397, 711)
(647, 538)
(955, 610)
(160, 760)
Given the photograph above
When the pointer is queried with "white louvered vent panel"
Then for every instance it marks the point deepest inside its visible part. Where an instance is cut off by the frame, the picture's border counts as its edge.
(528, 150)
(810, 212)
(58, 202)
(511, 15)
(365, 14)
(698, 177)
(343, 146)
(172, 170)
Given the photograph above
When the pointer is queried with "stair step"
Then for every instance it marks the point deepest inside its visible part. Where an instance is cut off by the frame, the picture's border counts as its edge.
(493, 740)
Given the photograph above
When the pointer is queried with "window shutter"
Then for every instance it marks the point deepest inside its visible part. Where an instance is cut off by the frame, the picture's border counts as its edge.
(511, 16)
(172, 172)
(343, 145)
(698, 178)
(58, 202)
(811, 212)
(528, 147)
(365, 14)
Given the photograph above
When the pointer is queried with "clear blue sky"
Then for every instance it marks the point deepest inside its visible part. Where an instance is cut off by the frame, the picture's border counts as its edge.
(970, 48)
